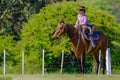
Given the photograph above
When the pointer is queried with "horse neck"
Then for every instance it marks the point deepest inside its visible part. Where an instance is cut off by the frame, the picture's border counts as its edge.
(73, 35)
(70, 30)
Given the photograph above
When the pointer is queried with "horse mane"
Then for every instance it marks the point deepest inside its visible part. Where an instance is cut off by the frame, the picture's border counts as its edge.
(70, 25)
(71, 30)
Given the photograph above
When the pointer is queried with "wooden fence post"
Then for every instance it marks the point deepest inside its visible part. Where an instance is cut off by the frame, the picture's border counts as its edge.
(62, 59)
(108, 61)
(43, 51)
(22, 62)
(4, 63)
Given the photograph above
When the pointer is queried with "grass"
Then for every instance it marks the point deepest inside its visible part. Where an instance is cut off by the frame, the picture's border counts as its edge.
(5, 78)
(62, 77)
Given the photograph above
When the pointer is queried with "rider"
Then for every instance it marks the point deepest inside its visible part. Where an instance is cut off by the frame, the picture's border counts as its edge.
(82, 21)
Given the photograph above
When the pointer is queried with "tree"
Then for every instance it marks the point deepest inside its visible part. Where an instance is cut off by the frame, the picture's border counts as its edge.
(15, 12)
(38, 31)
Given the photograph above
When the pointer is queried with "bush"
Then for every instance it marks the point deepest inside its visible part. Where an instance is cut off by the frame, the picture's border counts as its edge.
(38, 31)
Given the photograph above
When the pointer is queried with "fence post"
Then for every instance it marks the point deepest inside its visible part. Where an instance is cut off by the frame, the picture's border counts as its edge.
(4, 67)
(43, 51)
(108, 61)
(22, 62)
(62, 61)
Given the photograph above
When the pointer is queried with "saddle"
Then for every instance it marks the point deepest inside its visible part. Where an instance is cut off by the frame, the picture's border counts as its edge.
(95, 35)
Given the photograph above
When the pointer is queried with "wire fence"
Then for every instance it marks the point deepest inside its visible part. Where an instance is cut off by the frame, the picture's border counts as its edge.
(69, 65)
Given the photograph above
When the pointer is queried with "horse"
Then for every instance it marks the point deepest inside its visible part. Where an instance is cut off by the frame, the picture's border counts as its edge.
(81, 49)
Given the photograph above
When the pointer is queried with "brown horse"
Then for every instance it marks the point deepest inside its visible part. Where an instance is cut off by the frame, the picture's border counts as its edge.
(83, 46)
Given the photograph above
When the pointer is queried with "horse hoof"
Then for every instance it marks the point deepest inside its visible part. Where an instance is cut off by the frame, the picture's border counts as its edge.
(81, 73)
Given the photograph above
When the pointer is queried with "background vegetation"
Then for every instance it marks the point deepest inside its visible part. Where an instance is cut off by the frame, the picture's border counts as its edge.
(29, 25)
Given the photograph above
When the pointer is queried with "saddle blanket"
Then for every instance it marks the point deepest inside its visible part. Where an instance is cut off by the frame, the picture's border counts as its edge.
(95, 35)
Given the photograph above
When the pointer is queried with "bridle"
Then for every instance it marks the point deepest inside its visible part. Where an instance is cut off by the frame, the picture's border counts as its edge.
(71, 39)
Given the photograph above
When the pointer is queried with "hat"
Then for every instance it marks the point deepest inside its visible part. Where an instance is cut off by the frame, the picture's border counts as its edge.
(82, 8)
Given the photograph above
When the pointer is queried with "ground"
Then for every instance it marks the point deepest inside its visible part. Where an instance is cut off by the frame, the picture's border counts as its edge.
(60, 77)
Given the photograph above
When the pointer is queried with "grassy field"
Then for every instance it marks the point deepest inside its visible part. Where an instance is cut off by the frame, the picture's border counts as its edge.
(5, 78)
(60, 77)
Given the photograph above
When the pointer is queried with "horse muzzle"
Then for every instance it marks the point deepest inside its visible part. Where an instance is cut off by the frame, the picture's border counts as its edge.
(55, 37)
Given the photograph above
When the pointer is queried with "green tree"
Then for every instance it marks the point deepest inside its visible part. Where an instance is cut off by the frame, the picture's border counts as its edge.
(38, 31)
(15, 12)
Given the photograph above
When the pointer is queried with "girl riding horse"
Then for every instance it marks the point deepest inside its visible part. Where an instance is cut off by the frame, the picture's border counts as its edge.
(82, 22)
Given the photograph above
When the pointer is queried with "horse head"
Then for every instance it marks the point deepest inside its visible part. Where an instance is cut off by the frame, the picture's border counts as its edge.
(60, 29)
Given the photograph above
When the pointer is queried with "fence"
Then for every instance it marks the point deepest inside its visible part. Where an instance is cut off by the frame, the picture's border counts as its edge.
(66, 63)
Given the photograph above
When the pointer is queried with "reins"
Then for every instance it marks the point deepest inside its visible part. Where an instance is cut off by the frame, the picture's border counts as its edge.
(67, 30)
(78, 42)
(76, 31)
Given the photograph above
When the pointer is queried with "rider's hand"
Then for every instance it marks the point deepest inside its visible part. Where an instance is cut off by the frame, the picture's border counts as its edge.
(78, 25)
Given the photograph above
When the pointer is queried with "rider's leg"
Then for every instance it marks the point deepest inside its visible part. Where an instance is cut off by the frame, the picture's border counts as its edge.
(91, 36)
(84, 28)
(91, 32)
(93, 28)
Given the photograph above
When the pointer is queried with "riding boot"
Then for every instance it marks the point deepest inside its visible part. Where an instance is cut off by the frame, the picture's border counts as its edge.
(91, 37)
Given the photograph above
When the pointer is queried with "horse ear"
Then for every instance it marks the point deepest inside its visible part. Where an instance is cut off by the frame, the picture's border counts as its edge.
(61, 21)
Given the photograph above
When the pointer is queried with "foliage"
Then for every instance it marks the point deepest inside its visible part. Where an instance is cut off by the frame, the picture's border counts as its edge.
(116, 8)
(38, 31)
(6, 42)
(13, 13)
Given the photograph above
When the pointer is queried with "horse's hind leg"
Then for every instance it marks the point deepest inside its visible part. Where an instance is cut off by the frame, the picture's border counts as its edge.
(81, 62)
(103, 52)
(96, 58)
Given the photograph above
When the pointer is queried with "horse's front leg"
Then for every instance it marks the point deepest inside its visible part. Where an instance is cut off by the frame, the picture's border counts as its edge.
(81, 62)
(95, 56)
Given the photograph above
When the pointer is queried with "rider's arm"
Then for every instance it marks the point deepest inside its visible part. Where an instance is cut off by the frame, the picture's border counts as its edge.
(81, 21)
(85, 20)
(77, 24)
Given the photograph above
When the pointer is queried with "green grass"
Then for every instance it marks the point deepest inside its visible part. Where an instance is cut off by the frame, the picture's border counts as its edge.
(60, 77)
(66, 77)
(5, 78)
